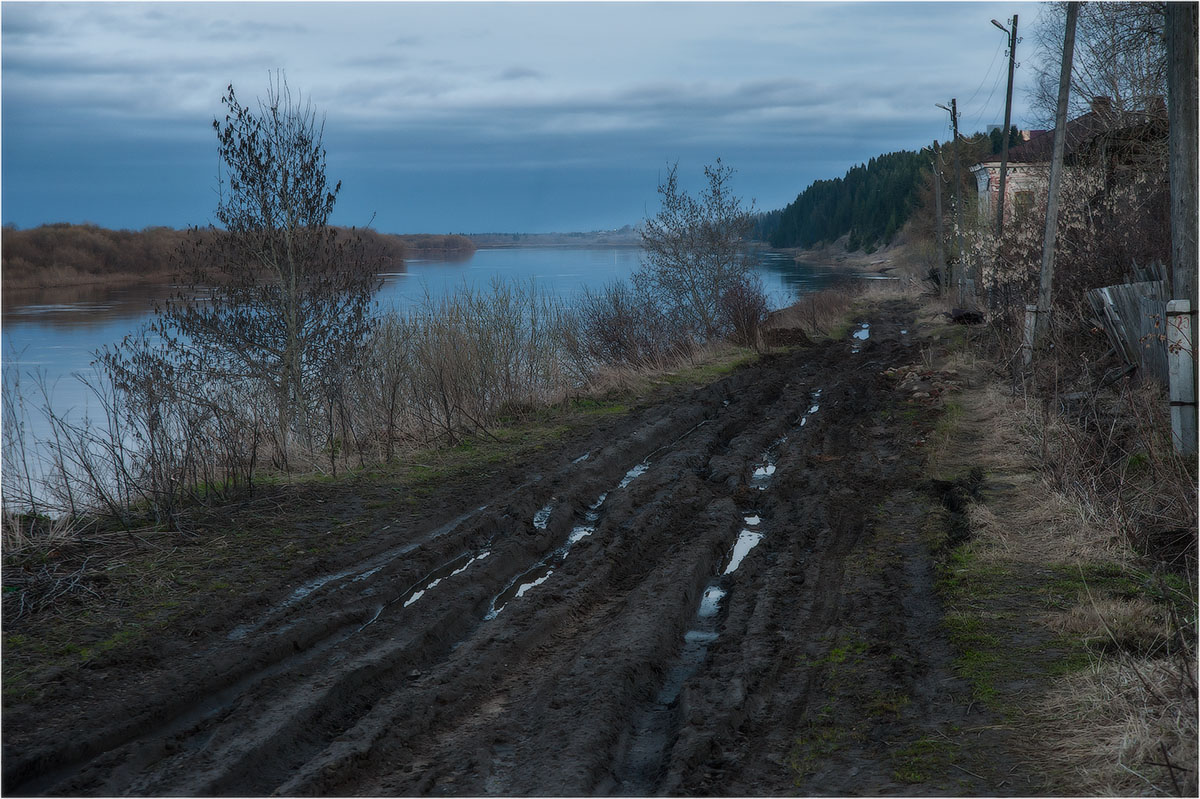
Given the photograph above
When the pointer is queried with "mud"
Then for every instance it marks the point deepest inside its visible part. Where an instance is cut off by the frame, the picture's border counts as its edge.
(682, 646)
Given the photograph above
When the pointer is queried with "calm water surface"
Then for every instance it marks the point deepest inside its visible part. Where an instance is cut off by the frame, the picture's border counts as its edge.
(55, 333)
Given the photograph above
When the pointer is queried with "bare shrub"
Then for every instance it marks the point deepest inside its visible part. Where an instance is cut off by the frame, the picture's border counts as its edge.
(457, 364)
(622, 324)
(744, 305)
(695, 251)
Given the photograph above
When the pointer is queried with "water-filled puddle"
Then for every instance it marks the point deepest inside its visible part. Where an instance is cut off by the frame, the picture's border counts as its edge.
(710, 602)
(533, 584)
(904, 332)
(752, 520)
(462, 569)
(520, 586)
(634, 473)
(545, 567)
(860, 335)
(816, 406)
(448, 570)
(582, 458)
(578, 534)
(746, 541)
(542, 517)
(761, 477)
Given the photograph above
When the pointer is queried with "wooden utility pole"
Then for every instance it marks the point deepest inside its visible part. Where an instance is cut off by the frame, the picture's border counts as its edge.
(1181, 24)
(1012, 65)
(1042, 325)
(958, 204)
(1181, 34)
(944, 279)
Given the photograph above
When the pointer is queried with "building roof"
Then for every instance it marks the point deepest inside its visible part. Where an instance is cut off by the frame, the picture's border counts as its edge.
(1082, 131)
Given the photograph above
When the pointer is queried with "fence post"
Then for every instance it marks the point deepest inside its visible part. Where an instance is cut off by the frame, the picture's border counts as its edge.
(1031, 312)
(1181, 371)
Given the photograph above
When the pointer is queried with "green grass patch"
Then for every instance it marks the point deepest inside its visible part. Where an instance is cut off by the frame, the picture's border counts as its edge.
(711, 371)
(923, 760)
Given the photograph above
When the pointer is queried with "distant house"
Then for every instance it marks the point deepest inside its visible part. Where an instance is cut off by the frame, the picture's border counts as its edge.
(1114, 139)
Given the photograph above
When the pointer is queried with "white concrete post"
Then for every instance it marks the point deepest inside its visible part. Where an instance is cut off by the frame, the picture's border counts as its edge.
(1181, 371)
(1031, 312)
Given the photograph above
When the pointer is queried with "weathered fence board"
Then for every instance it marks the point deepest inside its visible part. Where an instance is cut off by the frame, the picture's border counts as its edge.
(1134, 316)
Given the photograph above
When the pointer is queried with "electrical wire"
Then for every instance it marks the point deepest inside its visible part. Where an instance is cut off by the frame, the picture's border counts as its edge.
(988, 73)
(988, 102)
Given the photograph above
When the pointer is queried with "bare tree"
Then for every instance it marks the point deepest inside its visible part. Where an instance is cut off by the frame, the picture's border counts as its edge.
(275, 296)
(695, 252)
(1119, 54)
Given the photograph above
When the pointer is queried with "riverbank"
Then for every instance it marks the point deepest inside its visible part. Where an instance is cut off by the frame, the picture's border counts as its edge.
(554, 608)
(885, 260)
(72, 256)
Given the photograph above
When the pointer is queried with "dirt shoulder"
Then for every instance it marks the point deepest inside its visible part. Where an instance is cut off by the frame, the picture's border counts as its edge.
(755, 578)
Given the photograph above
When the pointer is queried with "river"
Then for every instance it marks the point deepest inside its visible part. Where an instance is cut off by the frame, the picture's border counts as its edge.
(50, 336)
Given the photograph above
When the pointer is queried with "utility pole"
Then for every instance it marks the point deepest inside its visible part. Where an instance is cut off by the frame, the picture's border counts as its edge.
(1181, 35)
(958, 205)
(1181, 25)
(944, 280)
(1042, 325)
(958, 200)
(1012, 65)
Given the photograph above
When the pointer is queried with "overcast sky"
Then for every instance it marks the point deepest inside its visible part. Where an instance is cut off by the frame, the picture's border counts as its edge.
(465, 117)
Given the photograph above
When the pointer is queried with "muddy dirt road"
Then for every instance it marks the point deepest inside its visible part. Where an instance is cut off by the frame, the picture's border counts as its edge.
(677, 606)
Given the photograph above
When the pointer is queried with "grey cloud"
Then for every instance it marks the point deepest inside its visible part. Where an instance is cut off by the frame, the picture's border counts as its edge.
(519, 73)
(37, 63)
(27, 19)
(377, 61)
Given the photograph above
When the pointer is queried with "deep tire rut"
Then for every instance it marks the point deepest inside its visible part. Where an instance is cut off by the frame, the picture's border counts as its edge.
(555, 640)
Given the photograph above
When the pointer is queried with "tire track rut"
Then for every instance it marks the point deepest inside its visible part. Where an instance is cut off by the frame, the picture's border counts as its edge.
(539, 643)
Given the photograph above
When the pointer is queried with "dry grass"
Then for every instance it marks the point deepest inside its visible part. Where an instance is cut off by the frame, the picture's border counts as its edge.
(22, 534)
(1125, 624)
(1127, 724)
(818, 314)
(1126, 728)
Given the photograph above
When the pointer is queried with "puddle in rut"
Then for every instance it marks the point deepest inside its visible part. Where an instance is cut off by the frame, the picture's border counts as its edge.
(760, 478)
(746, 541)
(655, 724)
(634, 473)
(816, 406)
(364, 570)
(542, 570)
(450, 569)
(542, 517)
(860, 335)
(710, 602)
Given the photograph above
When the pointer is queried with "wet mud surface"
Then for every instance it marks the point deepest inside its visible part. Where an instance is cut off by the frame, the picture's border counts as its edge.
(685, 610)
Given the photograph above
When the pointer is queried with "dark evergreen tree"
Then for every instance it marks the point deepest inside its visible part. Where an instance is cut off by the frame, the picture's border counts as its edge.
(871, 202)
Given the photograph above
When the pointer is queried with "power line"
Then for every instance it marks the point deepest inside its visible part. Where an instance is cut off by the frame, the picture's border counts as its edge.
(986, 74)
(988, 103)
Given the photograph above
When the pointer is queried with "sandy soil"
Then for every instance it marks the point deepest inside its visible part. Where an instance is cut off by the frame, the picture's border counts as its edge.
(731, 593)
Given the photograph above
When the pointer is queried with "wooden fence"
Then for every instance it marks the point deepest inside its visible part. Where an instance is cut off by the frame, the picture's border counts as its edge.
(1134, 317)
